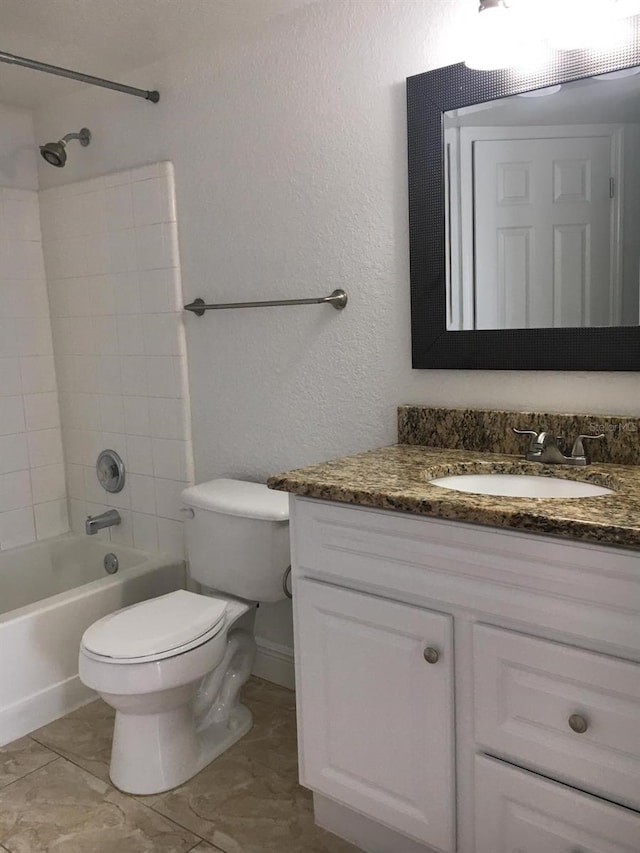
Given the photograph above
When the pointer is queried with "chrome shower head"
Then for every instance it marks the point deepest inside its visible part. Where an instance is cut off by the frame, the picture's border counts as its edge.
(55, 152)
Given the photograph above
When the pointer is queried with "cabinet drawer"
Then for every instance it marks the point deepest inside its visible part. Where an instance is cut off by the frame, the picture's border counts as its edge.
(518, 812)
(533, 698)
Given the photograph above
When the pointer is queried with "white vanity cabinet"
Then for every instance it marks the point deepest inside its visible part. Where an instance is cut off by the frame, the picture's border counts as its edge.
(462, 688)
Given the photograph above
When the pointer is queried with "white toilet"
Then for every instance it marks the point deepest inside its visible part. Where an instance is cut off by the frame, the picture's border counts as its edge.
(172, 667)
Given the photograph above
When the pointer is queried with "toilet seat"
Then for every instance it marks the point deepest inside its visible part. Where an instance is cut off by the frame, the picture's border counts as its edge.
(152, 630)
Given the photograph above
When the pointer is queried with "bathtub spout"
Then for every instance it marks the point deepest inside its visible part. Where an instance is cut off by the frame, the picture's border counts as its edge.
(97, 522)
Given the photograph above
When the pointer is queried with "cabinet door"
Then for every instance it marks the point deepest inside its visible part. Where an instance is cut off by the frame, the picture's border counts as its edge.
(376, 719)
(519, 812)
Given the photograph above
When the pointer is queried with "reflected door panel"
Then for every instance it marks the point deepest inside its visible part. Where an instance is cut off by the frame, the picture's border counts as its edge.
(544, 233)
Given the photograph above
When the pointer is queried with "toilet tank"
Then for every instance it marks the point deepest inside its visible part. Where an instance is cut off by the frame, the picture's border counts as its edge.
(237, 537)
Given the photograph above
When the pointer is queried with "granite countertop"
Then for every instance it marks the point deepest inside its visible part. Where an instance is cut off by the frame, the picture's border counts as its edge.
(397, 478)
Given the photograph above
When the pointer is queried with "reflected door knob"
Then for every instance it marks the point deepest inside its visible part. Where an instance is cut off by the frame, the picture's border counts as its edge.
(578, 724)
(431, 655)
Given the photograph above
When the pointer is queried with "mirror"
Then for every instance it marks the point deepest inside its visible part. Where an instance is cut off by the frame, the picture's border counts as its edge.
(542, 192)
(524, 209)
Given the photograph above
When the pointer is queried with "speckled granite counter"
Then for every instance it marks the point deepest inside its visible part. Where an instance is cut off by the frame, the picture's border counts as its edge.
(397, 478)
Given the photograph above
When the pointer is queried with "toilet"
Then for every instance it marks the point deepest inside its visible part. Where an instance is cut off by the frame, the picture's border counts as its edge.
(172, 667)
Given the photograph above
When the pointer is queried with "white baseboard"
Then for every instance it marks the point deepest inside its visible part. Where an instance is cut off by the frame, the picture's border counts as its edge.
(274, 662)
(42, 708)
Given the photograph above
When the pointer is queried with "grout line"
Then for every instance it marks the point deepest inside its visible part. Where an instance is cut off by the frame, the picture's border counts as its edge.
(26, 775)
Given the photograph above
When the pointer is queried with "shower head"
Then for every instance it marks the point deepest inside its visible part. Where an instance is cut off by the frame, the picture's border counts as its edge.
(55, 152)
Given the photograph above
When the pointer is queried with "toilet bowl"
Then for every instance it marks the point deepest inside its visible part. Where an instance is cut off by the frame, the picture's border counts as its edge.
(172, 667)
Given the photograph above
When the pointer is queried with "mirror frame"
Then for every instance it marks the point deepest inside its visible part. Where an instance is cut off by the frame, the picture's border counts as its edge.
(429, 95)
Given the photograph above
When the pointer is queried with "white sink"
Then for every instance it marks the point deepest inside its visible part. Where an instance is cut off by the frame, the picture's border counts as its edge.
(519, 486)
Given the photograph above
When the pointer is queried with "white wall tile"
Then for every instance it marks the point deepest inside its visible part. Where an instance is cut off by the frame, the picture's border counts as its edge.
(168, 503)
(45, 447)
(152, 202)
(133, 375)
(12, 415)
(41, 411)
(145, 531)
(17, 528)
(75, 481)
(10, 380)
(126, 293)
(170, 459)
(143, 495)
(38, 374)
(48, 483)
(163, 334)
(112, 414)
(136, 416)
(160, 291)
(168, 418)
(130, 335)
(123, 533)
(15, 490)
(8, 339)
(52, 519)
(139, 453)
(14, 455)
(112, 259)
(171, 537)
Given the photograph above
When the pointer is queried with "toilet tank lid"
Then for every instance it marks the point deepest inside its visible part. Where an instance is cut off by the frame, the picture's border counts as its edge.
(237, 497)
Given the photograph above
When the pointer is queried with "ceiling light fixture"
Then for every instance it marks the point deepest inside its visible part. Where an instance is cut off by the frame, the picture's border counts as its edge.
(492, 43)
(519, 33)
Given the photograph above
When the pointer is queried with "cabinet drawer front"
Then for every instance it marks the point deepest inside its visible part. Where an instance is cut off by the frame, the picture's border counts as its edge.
(376, 718)
(518, 812)
(533, 698)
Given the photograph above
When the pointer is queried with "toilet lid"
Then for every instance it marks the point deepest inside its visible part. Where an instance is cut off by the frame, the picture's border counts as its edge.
(155, 626)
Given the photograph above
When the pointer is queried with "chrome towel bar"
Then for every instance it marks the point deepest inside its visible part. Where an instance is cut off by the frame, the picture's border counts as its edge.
(338, 299)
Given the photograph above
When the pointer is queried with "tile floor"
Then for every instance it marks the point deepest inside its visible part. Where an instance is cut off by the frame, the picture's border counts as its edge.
(55, 794)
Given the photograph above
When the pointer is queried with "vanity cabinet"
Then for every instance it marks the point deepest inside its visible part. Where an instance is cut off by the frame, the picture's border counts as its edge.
(463, 688)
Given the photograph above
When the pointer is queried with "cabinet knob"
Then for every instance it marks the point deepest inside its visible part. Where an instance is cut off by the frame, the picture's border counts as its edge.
(578, 724)
(431, 655)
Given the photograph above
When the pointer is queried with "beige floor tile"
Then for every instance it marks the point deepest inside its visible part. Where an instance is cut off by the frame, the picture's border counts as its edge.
(62, 809)
(84, 737)
(241, 806)
(21, 757)
(203, 847)
(270, 694)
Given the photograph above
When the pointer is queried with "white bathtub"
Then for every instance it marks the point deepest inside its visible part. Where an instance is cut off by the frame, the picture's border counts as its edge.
(50, 592)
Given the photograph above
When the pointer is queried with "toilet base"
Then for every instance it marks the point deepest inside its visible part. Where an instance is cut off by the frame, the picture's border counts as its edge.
(168, 749)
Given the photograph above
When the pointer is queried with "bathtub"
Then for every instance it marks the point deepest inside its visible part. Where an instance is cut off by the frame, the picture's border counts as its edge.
(50, 592)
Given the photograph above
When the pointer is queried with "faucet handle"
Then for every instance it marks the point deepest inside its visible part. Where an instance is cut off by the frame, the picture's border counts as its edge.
(532, 432)
(578, 447)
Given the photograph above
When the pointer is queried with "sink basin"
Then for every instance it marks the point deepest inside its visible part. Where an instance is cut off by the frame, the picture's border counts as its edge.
(520, 486)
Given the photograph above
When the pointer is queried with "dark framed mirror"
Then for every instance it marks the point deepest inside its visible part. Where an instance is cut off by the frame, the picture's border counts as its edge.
(524, 214)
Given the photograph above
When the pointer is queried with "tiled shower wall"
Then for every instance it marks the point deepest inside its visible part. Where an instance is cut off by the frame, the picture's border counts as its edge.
(111, 255)
(32, 484)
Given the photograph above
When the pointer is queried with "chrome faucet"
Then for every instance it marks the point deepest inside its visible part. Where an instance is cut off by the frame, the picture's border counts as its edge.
(544, 448)
(98, 522)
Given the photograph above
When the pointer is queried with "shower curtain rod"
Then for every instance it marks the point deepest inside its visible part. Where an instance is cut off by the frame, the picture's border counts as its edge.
(11, 59)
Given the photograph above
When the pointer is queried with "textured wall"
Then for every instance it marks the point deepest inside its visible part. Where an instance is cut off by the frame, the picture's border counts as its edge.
(290, 156)
(113, 273)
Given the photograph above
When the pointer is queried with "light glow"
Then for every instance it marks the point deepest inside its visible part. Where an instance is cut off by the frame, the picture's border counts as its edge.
(519, 33)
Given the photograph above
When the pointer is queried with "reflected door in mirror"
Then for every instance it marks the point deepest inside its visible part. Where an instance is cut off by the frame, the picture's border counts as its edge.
(538, 228)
